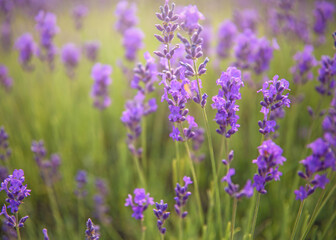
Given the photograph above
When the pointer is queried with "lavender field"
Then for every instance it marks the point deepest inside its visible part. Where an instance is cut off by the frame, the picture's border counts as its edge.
(177, 120)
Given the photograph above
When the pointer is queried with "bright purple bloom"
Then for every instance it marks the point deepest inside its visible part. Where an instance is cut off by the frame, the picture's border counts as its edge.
(126, 16)
(91, 50)
(189, 17)
(244, 49)
(273, 99)
(78, 13)
(323, 13)
(45, 234)
(225, 102)
(132, 42)
(140, 202)
(268, 161)
(27, 48)
(101, 75)
(226, 35)
(81, 180)
(262, 56)
(70, 58)
(246, 19)
(16, 191)
(327, 74)
(305, 61)
(233, 189)
(162, 215)
(92, 231)
(5, 80)
(5, 151)
(329, 124)
(182, 196)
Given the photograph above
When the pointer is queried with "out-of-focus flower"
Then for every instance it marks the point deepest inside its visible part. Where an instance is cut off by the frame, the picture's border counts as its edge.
(5, 80)
(27, 48)
(305, 61)
(126, 16)
(101, 75)
(70, 58)
(79, 13)
(91, 49)
(132, 42)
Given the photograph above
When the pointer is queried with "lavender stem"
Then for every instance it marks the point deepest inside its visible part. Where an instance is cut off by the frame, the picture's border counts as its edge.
(234, 211)
(17, 226)
(255, 215)
(297, 220)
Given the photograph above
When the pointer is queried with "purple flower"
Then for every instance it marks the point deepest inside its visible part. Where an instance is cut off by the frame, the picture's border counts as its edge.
(16, 191)
(45, 234)
(305, 61)
(132, 42)
(162, 215)
(182, 196)
(189, 18)
(175, 134)
(126, 16)
(301, 194)
(81, 180)
(225, 102)
(263, 56)
(246, 19)
(5, 151)
(244, 49)
(5, 80)
(226, 35)
(101, 208)
(233, 189)
(91, 50)
(27, 48)
(268, 161)
(101, 75)
(78, 13)
(326, 76)
(70, 58)
(92, 231)
(323, 13)
(6, 35)
(140, 202)
(329, 124)
(273, 99)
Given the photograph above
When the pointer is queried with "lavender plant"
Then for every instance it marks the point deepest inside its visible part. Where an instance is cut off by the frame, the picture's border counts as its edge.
(101, 76)
(70, 58)
(79, 12)
(27, 48)
(92, 231)
(5, 80)
(91, 49)
(305, 61)
(162, 215)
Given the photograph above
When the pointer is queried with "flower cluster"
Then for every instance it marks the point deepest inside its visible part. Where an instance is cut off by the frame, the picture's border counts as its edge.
(246, 19)
(90, 50)
(5, 80)
(329, 124)
(323, 13)
(268, 161)
(70, 58)
(182, 196)
(321, 159)
(273, 99)
(162, 215)
(140, 202)
(101, 75)
(233, 189)
(6, 37)
(101, 208)
(5, 151)
(326, 75)
(132, 42)
(47, 27)
(49, 169)
(126, 16)
(27, 48)
(92, 231)
(225, 102)
(78, 13)
(189, 18)
(81, 180)
(226, 36)
(305, 61)
(16, 193)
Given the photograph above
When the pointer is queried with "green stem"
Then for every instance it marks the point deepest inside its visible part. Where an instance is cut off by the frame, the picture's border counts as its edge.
(80, 214)
(178, 161)
(143, 143)
(17, 226)
(328, 225)
(234, 211)
(162, 236)
(139, 170)
(180, 226)
(198, 198)
(143, 230)
(255, 215)
(55, 210)
(297, 220)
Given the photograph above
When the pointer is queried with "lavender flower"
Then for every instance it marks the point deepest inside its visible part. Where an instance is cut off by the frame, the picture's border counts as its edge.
(5, 151)
(101, 208)
(246, 19)
(3, 173)
(329, 124)
(126, 16)
(273, 99)
(78, 13)
(140, 203)
(262, 56)
(47, 27)
(26, 46)
(16, 193)
(189, 18)
(91, 50)
(70, 58)
(233, 189)
(45, 234)
(225, 102)
(5, 80)
(92, 231)
(323, 13)
(101, 76)
(268, 161)
(81, 180)
(132, 42)
(321, 159)
(162, 215)
(305, 61)
(226, 35)
(6, 35)
(182, 196)
(244, 49)
(327, 74)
